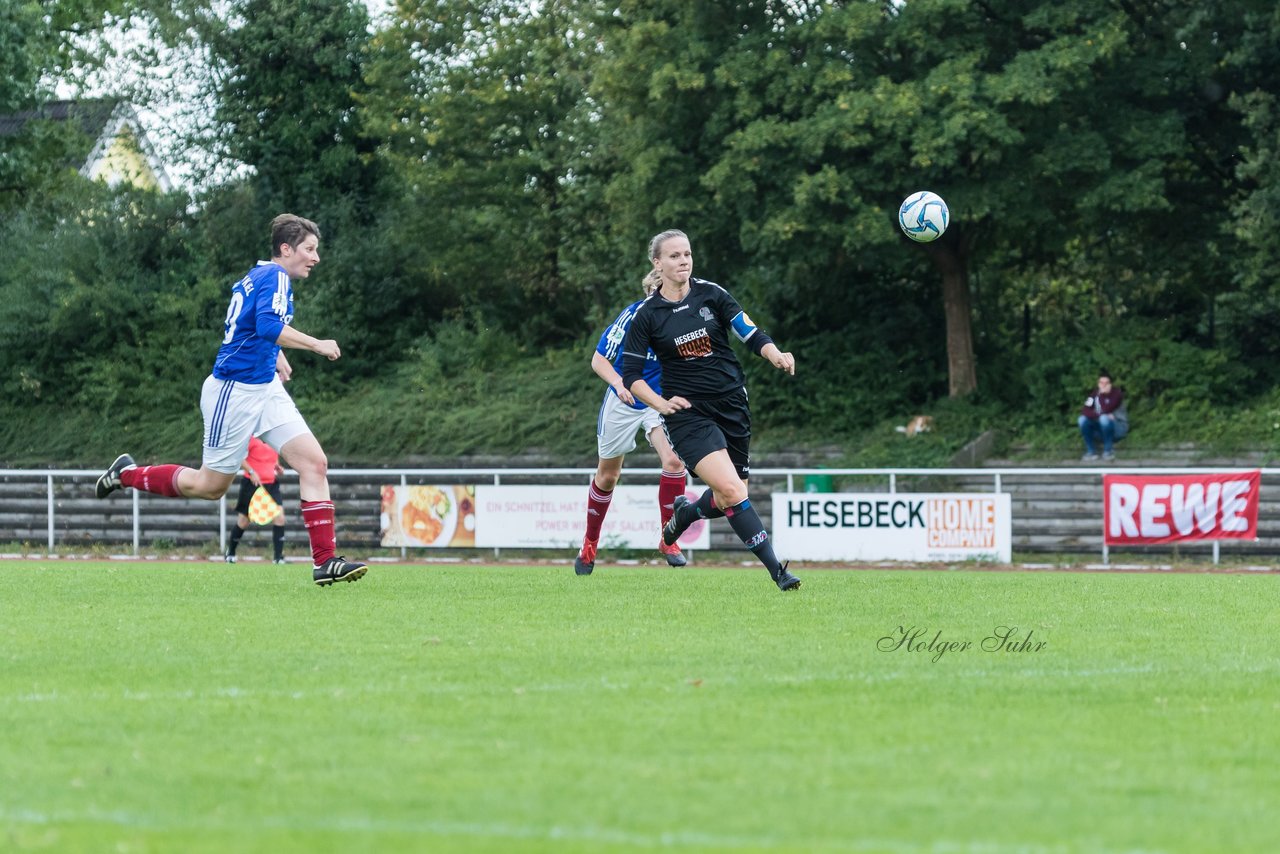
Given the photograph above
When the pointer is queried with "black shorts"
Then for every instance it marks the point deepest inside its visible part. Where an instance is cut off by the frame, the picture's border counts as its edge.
(708, 426)
(247, 489)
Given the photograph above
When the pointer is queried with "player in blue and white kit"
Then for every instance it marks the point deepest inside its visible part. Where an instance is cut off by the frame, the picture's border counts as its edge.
(245, 396)
(620, 416)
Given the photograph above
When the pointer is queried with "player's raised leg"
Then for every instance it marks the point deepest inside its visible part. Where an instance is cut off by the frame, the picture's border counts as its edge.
(169, 479)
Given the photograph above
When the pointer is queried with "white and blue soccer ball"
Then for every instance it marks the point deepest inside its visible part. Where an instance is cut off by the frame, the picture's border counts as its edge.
(923, 216)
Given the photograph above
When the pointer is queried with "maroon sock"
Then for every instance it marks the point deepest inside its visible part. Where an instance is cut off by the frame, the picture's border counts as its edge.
(669, 486)
(597, 506)
(317, 516)
(161, 480)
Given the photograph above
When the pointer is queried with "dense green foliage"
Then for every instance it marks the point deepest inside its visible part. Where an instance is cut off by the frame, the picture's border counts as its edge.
(510, 709)
(487, 177)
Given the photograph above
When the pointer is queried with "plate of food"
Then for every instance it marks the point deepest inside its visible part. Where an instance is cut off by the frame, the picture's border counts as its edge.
(428, 515)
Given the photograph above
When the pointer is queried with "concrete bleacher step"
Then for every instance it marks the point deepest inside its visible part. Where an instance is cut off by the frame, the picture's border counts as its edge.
(1169, 456)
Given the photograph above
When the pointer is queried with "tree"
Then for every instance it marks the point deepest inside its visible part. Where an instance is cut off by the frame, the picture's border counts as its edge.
(482, 107)
(731, 119)
(1055, 131)
(1250, 65)
(288, 99)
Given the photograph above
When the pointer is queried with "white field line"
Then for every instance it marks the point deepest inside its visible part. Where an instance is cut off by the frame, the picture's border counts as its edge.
(551, 833)
(923, 670)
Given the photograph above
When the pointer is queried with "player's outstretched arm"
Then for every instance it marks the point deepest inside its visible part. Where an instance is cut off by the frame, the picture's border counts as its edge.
(780, 360)
(292, 338)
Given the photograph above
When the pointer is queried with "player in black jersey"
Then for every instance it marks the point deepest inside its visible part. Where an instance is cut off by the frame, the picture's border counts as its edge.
(687, 323)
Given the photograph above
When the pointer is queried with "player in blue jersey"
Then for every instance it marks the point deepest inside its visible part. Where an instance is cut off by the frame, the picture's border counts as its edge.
(620, 416)
(245, 396)
(688, 323)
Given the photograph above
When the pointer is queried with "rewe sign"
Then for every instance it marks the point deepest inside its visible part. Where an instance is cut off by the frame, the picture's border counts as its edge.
(1150, 509)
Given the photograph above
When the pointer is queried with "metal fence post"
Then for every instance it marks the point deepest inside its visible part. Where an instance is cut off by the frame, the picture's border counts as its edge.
(137, 522)
(497, 481)
(404, 550)
(1106, 552)
(50, 487)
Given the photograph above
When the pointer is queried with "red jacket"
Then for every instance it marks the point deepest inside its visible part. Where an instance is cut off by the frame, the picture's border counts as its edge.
(1101, 404)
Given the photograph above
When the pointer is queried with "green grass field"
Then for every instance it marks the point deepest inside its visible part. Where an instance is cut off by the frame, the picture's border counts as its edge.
(204, 707)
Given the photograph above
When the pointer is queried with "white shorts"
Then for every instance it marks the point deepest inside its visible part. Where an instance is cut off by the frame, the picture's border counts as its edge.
(235, 411)
(617, 424)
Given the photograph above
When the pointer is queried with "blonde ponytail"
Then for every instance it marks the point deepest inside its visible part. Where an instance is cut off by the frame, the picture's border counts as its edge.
(652, 281)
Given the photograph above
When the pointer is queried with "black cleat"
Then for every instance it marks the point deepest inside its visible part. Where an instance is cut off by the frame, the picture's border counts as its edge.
(338, 569)
(585, 562)
(785, 580)
(110, 480)
(673, 529)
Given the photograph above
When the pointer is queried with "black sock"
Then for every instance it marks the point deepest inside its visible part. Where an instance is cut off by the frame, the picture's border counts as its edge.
(277, 541)
(705, 507)
(746, 523)
(236, 533)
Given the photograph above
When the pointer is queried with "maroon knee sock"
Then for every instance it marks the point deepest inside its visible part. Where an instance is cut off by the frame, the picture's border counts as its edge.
(161, 480)
(669, 486)
(317, 516)
(597, 506)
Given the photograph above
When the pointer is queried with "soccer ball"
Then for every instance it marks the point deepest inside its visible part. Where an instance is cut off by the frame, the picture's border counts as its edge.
(923, 216)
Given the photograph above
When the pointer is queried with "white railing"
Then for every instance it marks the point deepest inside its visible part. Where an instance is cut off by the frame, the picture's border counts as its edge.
(495, 476)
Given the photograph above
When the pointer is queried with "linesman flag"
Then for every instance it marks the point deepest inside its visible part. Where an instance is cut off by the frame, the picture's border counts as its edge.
(262, 507)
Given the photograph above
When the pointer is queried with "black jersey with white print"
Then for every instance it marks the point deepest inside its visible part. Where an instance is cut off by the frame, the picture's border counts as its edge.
(691, 340)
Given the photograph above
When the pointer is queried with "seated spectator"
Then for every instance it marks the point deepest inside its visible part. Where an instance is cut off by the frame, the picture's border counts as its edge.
(1104, 417)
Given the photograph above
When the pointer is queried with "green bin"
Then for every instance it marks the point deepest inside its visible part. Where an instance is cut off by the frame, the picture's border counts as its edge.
(818, 483)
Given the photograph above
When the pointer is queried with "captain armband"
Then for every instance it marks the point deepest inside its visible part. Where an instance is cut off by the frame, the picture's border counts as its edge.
(745, 330)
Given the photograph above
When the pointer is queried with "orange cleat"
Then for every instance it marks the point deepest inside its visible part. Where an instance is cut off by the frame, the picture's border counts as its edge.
(672, 553)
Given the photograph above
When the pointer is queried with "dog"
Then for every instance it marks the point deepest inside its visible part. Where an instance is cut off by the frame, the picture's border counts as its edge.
(918, 424)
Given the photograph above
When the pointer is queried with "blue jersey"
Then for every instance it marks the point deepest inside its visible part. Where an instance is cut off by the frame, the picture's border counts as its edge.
(261, 306)
(610, 347)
